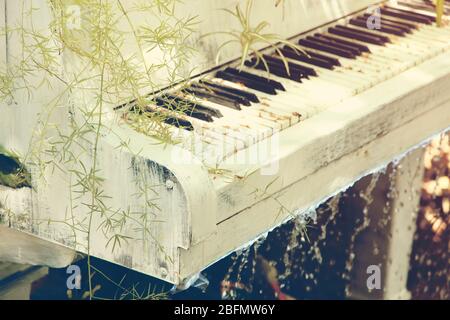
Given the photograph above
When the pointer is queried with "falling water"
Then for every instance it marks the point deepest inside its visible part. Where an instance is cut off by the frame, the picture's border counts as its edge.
(367, 197)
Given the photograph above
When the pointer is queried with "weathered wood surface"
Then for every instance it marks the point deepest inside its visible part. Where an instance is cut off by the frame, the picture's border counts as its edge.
(20, 247)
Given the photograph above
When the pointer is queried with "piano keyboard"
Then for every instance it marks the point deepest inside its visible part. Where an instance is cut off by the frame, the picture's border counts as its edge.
(223, 112)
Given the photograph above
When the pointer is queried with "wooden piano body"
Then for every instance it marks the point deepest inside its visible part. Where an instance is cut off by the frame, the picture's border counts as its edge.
(205, 215)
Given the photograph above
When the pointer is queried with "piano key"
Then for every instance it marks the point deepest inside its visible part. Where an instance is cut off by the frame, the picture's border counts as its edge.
(383, 28)
(259, 118)
(316, 54)
(405, 16)
(351, 76)
(363, 70)
(326, 48)
(404, 42)
(234, 129)
(310, 93)
(184, 107)
(383, 38)
(274, 101)
(335, 44)
(242, 93)
(180, 97)
(257, 113)
(200, 127)
(257, 85)
(360, 47)
(384, 53)
(298, 56)
(274, 84)
(179, 123)
(355, 36)
(307, 71)
(412, 46)
(405, 23)
(241, 100)
(211, 96)
(170, 119)
(274, 69)
(406, 27)
(412, 12)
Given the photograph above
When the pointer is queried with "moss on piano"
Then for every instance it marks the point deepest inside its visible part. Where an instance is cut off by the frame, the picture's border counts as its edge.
(12, 173)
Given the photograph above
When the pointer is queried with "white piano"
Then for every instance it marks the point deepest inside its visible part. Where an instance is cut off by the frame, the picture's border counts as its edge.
(254, 150)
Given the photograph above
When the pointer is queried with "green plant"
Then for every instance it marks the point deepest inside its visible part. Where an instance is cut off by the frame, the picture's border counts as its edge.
(251, 38)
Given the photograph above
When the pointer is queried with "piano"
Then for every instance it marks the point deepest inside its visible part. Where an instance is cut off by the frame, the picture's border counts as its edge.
(257, 146)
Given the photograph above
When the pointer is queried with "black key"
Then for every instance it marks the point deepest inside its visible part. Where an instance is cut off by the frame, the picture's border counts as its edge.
(400, 22)
(383, 28)
(275, 84)
(211, 96)
(360, 47)
(300, 56)
(187, 107)
(326, 48)
(275, 69)
(356, 36)
(195, 105)
(390, 23)
(385, 39)
(241, 93)
(306, 71)
(171, 120)
(353, 50)
(179, 123)
(412, 13)
(331, 60)
(405, 16)
(222, 93)
(420, 6)
(256, 85)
